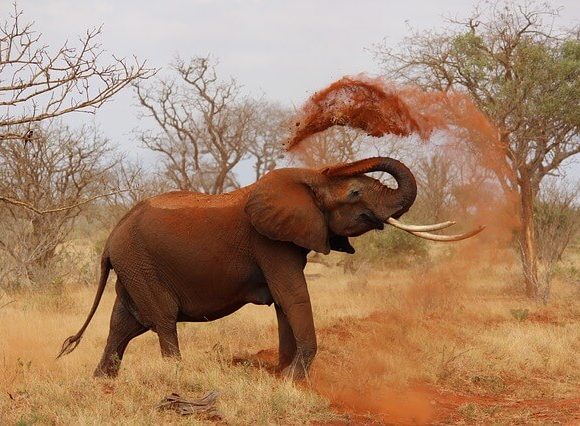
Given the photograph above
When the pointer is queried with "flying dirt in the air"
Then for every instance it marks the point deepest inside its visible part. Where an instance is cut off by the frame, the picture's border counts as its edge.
(358, 102)
(379, 107)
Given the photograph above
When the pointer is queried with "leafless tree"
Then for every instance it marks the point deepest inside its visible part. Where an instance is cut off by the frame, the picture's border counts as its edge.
(38, 84)
(59, 167)
(557, 220)
(271, 129)
(434, 175)
(524, 76)
(205, 126)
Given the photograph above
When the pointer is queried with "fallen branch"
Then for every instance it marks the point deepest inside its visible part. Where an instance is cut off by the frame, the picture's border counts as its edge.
(7, 303)
(205, 405)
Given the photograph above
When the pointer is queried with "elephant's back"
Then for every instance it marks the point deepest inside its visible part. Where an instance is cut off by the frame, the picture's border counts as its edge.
(185, 229)
(196, 200)
(184, 225)
(179, 214)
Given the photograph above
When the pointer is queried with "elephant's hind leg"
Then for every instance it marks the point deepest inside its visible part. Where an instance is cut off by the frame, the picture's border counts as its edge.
(163, 313)
(155, 304)
(123, 328)
(168, 341)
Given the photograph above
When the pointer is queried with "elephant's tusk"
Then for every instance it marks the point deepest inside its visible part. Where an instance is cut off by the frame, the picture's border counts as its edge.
(419, 228)
(459, 237)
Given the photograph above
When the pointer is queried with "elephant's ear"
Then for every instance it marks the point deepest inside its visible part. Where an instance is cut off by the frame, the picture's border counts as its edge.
(284, 209)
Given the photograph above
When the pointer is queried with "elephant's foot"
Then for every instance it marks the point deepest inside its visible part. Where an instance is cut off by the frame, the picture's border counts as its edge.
(298, 368)
(284, 360)
(109, 366)
(124, 327)
(294, 372)
(109, 371)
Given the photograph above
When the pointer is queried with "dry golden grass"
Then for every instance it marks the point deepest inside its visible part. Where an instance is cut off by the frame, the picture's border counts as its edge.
(63, 392)
(446, 343)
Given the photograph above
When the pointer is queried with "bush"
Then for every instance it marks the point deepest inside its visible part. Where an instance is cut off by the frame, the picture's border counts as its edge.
(386, 248)
(557, 221)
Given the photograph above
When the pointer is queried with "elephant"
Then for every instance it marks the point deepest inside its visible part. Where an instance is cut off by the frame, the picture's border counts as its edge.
(187, 256)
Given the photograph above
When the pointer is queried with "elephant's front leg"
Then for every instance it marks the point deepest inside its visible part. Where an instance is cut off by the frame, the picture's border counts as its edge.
(287, 342)
(287, 284)
(299, 316)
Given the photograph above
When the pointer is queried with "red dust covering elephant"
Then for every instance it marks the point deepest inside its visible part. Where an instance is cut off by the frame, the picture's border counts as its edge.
(185, 256)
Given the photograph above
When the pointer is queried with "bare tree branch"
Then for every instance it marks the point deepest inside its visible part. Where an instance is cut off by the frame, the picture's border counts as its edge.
(45, 184)
(37, 84)
(58, 209)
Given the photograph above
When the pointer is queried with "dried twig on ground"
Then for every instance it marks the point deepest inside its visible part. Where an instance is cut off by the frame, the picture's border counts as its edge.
(205, 405)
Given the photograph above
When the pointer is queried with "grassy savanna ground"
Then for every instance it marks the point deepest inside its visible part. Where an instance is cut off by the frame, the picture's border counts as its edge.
(452, 343)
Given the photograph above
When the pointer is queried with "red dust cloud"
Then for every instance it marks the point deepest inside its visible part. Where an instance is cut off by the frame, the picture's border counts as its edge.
(380, 108)
(482, 191)
(362, 104)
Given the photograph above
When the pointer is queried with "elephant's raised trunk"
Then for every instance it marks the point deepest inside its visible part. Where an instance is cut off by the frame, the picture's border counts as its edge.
(393, 202)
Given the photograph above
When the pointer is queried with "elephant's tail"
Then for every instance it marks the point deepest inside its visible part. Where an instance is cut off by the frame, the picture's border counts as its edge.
(72, 342)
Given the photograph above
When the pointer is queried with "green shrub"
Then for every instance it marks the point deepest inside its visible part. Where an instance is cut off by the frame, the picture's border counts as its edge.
(386, 248)
(520, 314)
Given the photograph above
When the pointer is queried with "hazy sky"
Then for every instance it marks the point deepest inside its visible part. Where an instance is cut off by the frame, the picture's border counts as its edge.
(283, 50)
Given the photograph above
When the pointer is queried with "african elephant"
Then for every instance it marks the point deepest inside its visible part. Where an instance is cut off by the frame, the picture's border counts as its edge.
(185, 256)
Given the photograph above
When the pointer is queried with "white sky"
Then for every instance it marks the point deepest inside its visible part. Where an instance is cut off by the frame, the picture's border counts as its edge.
(283, 50)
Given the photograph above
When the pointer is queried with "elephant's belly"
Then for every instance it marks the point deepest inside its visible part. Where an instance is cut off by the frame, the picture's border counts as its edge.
(204, 316)
(220, 306)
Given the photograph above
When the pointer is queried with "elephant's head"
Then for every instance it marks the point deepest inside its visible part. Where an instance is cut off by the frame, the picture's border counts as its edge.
(317, 209)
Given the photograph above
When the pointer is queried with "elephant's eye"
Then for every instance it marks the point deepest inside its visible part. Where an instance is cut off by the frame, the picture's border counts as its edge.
(354, 193)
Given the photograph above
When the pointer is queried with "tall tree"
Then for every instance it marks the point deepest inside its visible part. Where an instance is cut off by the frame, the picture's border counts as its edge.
(524, 75)
(205, 126)
(60, 167)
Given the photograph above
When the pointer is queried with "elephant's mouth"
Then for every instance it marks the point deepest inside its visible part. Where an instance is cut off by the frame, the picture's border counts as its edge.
(372, 220)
